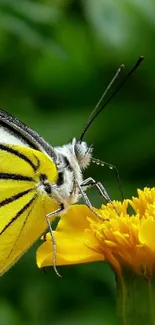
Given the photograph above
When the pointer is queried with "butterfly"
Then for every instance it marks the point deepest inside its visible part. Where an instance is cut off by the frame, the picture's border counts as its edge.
(39, 182)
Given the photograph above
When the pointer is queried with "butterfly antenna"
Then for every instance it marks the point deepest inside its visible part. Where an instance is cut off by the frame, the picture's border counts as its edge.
(98, 110)
(101, 100)
(111, 167)
(106, 91)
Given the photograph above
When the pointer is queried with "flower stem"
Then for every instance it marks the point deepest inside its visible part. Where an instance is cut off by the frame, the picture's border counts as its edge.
(135, 299)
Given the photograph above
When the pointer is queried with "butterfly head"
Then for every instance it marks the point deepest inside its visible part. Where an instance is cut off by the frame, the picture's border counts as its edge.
(82, 152)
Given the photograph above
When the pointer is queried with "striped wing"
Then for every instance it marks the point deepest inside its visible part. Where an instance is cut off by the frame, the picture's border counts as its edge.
(22, 205)
(13, 131)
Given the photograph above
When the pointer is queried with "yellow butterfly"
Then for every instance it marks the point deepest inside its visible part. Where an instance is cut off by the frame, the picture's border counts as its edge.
(38, 181)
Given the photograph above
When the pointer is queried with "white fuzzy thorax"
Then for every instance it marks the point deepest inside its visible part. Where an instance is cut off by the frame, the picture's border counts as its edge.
(78, 155)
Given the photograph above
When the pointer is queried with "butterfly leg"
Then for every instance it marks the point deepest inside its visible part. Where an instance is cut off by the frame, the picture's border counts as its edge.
(87, 201)
(48, 216)
(90, 182)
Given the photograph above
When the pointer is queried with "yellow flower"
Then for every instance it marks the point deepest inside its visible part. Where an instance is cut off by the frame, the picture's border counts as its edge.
(123, 238)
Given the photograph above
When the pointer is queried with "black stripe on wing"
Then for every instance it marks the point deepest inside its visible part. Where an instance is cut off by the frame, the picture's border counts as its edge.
(14, 197)
(15, 177)
(19, 213)
(19, 155)
(29, 136)
(16, 241)
(16, 133)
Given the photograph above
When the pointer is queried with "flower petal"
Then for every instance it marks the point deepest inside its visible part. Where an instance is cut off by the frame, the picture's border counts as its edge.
(74, 221)
(147, 233)
(70, 250)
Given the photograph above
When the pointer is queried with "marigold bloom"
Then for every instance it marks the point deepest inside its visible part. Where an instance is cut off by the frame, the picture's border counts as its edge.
(123, 238)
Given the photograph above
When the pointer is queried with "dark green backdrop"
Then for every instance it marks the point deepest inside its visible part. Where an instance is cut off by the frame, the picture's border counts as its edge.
(56, 58)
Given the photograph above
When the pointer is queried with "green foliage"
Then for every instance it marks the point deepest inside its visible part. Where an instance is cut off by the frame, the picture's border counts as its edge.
(55, 62)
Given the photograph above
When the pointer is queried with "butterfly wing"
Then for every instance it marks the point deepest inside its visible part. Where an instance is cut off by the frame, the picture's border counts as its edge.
(13, 131)
(23, 204)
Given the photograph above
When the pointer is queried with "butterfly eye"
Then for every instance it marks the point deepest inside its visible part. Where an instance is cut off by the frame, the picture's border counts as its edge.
(82, 153)
(80, 150)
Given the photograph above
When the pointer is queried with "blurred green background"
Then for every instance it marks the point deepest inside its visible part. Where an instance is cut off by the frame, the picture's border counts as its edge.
(56, 58)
